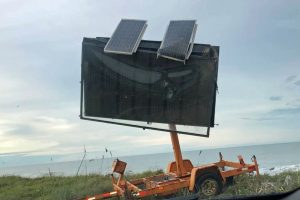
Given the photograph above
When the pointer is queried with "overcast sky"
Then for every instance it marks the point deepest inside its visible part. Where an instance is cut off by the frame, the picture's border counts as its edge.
(40, 54)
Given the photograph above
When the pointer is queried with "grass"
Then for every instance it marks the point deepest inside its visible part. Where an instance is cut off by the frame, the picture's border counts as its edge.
(76, 187)
(58, 187)
(264, 184)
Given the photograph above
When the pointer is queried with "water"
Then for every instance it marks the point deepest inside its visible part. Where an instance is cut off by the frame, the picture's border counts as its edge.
(281, 157)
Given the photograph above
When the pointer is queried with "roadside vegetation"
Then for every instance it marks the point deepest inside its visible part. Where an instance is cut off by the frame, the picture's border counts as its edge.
(264, 184)
(76, 187)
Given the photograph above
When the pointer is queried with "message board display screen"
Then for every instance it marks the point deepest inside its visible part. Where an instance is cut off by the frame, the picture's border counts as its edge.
(144, 88)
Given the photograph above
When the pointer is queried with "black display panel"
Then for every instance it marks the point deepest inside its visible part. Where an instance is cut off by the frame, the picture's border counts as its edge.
(142, 87)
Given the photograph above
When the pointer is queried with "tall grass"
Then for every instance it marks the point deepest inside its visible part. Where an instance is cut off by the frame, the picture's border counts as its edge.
(58, 187)
(76, 187)
(264, 184)
(12, 187)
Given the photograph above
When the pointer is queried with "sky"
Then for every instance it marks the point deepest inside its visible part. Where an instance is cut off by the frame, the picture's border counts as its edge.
(40, 59)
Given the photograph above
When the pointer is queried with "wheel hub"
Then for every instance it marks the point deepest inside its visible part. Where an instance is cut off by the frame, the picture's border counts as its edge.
(209, 187)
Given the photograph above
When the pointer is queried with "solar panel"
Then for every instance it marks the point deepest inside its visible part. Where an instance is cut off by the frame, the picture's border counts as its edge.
(178, 40)
(127, 36)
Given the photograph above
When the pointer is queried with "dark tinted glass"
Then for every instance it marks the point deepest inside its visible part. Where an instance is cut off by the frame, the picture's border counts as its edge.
(141, 87)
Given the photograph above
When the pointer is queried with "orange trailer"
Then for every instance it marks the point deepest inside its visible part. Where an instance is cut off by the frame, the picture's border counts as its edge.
(206, 180)
(103, 97)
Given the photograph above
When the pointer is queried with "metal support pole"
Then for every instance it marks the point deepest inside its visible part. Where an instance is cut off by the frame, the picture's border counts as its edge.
(181, 171)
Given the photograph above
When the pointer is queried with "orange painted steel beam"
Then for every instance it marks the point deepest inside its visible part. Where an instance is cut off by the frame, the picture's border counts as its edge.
(180, 170)
(102, 196)
(168, 187)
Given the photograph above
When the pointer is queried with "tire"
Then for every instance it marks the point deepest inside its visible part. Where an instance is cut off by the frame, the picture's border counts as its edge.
(229, 181)
(208, 185)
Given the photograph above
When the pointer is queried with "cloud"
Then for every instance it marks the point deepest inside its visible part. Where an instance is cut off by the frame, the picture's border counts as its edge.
(21, 153)
(297, 83)
(290, 78)
(275, 98)
(260, 118)
(285, 111)
(274, 114)
(20, 130)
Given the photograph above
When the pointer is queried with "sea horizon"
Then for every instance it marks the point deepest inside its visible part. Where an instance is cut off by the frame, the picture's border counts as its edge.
(276, 155)
(128, 155)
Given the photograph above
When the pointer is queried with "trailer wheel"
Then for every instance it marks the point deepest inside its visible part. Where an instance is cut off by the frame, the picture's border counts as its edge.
(208, 185)
(229, 181)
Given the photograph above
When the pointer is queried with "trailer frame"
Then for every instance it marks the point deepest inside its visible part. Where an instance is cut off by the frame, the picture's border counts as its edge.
(206, 180)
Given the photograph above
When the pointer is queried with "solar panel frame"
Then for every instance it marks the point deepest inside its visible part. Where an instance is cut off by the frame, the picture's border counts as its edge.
(192, 42)
(189, 46)
(109, 49)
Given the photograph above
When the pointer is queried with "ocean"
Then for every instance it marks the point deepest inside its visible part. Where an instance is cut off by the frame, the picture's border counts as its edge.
(272, 159)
